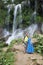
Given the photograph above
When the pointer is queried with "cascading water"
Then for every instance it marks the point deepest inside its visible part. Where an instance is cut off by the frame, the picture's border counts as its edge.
(32, 29)
(6, 33)
(5, 1)
(33, 17)
(12, 1)
(6, 30)
(15, 16)
(18, 33)
(8, 17)
(14, 35)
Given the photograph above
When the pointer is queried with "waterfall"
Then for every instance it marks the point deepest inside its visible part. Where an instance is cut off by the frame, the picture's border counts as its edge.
(5, 1)
(12, 1)
(17, 33)
(6, 30)
(31, 29)
(15, 16)
(33, 17)
(20, 33)
(35, 5)
(8, 17)
(6, 33)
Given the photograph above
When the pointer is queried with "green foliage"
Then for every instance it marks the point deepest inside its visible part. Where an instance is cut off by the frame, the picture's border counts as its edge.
(7, 58)
(39, 44)
(18, 1)
(16, 41)
(26, 15)
(2, 44)
(19, 41)
(39, 19)
(26, 12)
(39, 7)
(11, 45)
(2, 13)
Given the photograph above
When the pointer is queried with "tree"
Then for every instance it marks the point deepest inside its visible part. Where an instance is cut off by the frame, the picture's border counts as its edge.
(2, 13)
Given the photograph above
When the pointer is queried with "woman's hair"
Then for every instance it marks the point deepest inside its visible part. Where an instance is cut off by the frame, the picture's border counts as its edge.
(25, 33)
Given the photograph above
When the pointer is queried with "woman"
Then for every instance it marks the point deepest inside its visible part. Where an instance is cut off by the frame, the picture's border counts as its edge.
(25, 39)
(28, 44)
(30, 48)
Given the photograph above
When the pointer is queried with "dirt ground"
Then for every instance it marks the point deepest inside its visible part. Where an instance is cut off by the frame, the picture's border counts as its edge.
(26, 59)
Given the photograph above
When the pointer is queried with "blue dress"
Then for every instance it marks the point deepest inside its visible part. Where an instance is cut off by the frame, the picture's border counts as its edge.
(30, 48)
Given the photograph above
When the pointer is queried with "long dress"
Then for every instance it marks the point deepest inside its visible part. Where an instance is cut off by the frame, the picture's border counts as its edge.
(30, 48)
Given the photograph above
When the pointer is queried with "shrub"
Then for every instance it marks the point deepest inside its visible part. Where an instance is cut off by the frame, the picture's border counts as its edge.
(39, 45)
